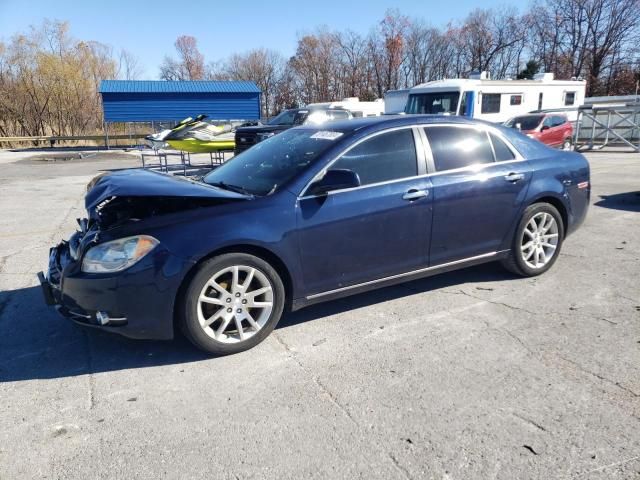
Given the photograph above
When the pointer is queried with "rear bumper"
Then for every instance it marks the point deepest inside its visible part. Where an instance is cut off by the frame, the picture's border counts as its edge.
(135, 303)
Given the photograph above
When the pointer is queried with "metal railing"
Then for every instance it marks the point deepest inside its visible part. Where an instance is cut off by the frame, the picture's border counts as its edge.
(605, 121)
(52, 140)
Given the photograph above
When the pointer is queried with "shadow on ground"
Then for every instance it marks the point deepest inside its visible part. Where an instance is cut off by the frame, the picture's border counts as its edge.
(629, 201)
(36, 343)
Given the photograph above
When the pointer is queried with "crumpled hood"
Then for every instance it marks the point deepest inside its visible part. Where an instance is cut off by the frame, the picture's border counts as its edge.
(146, 183)
(127, 195)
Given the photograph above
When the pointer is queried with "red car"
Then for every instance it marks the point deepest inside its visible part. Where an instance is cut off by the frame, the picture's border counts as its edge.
(552, 129)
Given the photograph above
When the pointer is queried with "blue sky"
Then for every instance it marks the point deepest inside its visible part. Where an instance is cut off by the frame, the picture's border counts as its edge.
(148, 29)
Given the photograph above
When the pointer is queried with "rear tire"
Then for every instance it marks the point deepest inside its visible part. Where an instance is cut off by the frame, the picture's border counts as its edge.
(567, 144)
(233, 302)
(537, 241)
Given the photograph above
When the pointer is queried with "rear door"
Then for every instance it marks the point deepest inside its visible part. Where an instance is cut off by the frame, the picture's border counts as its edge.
(369, 232)
(479, 183)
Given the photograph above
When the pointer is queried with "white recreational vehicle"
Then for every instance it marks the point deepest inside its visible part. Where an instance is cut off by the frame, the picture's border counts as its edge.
(496, 100)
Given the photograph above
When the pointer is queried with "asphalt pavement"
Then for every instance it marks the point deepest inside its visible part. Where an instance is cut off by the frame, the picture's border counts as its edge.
(474, 374)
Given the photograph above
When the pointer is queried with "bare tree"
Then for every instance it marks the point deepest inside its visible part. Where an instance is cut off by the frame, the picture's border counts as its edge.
(129, 67)
(49, 82)
(586, 38)
(190, 62)
(262, 66)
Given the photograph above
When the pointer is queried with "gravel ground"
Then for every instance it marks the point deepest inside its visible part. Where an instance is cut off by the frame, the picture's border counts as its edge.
(472, 374)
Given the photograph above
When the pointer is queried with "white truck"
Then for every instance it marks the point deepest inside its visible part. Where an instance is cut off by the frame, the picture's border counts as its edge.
(495, 100)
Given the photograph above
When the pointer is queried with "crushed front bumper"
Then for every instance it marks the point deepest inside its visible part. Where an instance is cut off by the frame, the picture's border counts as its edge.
(137, 302)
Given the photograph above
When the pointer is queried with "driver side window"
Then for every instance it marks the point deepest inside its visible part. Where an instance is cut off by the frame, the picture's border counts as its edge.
(381, 158)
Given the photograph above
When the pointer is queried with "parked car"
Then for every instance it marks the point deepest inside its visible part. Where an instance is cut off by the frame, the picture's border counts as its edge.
(312, 214)
(551, 129)
(246, 137)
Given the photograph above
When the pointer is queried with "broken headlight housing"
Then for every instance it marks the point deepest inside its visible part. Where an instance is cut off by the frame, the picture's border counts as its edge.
(117, 255)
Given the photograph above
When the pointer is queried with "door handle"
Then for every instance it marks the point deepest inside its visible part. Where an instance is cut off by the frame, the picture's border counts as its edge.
(414, 194)
(514, 177)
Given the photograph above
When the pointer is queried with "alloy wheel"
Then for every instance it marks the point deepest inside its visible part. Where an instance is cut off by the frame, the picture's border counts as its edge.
(235, 304)
(539, 240)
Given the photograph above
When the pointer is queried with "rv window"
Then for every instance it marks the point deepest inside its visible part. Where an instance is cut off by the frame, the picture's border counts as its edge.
(516, 100)
(490, 103)
(436, 102)
(569, 98)
(503, 153)
(458, 147)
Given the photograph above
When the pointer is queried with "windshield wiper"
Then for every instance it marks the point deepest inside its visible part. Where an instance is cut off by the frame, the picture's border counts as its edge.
(232, 188)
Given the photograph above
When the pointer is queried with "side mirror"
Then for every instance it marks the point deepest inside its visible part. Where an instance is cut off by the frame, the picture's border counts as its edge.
(335, 180)
(544, 127)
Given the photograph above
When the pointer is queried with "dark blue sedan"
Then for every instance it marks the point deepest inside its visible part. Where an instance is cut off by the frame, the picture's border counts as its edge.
(309, 215)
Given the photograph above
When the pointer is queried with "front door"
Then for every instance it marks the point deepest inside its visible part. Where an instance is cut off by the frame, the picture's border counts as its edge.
(478, 188)
(379, 229)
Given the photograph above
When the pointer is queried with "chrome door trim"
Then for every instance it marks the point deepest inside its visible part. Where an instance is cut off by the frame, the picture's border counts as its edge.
(406, 274)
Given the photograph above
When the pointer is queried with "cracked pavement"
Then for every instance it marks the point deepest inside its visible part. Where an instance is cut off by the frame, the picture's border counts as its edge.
(471, 374)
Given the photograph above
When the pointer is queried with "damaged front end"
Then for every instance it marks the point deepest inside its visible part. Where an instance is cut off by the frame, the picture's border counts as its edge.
(110, 273)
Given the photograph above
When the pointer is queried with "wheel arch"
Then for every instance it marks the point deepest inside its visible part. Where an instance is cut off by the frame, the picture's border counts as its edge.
(261, 252)
(559, 205)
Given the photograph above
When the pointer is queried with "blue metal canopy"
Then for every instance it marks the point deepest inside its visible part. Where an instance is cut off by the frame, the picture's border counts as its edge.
(146, 101)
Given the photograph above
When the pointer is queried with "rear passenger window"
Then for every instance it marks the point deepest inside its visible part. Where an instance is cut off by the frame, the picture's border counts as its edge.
(503, 153)
(384, 157)
(458, 147)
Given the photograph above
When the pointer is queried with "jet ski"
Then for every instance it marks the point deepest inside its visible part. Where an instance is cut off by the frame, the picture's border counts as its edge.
(197, 136)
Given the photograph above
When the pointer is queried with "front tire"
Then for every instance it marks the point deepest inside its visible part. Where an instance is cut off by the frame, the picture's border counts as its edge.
(537, 241)
(233, 302)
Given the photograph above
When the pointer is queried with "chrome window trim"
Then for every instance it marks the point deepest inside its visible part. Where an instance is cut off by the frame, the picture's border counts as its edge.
(486, 129)
(406, 274)
(427, 156)
(322, 172)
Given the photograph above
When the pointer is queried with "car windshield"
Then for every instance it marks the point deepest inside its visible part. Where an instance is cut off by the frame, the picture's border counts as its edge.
(269, 164)
(527, 122)
(289, 117)
(437, 102)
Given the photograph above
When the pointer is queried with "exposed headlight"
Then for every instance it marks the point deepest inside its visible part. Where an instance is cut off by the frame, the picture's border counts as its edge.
(118, 254)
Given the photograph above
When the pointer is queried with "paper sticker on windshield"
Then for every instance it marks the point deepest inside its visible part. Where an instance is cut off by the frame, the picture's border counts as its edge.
(326, 135)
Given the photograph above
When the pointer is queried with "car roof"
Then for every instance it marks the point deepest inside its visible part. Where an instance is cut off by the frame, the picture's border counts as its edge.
(390, 121)
(528, 148)
(546, 113)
